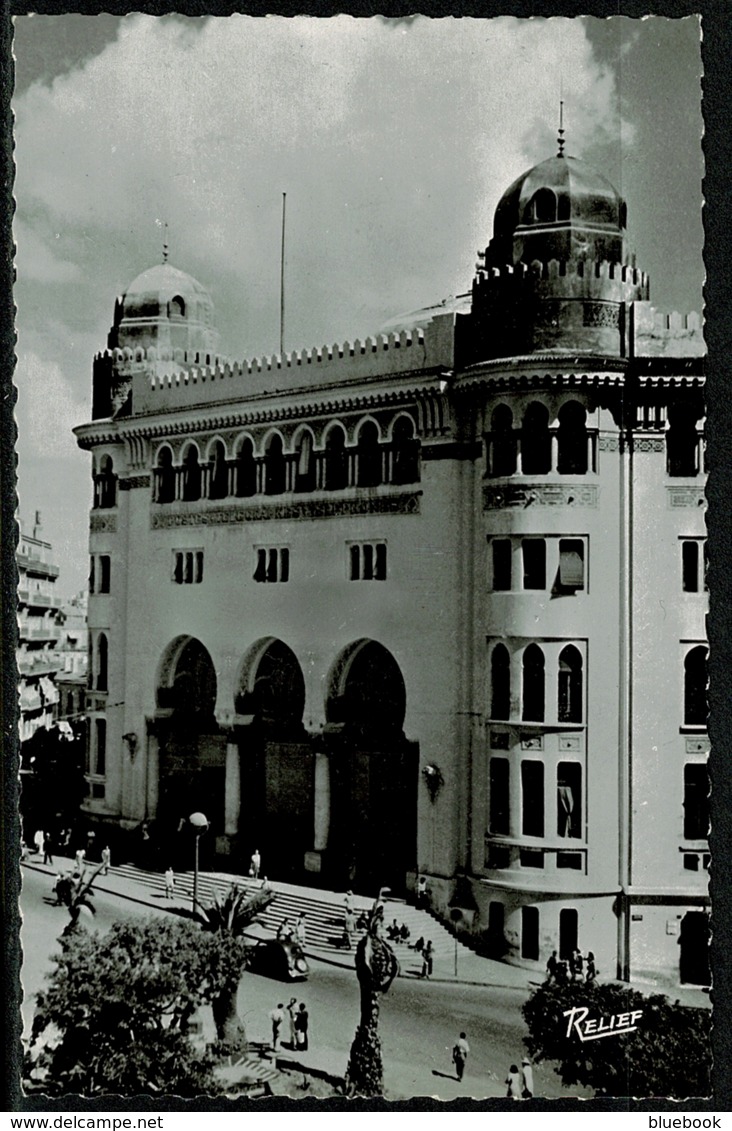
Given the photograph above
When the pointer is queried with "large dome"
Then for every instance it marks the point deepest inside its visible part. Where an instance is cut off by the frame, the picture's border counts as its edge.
(561, 208)
(165, 291)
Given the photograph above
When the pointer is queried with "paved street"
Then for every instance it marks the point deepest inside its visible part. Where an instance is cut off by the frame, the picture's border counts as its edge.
(419, 1020)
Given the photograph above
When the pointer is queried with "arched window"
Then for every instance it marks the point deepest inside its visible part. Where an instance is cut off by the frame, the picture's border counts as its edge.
(336, 466)
(177, 307)
(102, 662)
(543, 206)
(503, 442)
(191, 474)
(532, 707)
(569, 706)
(164, 477)
(246, 470)
(500, 683)
(105, 484)
(682, 442)
(695, 687)
(536, 441)
(405, 453)
(274, 467)
(219, 481)
(572, 440)
(369, 456)
(305, 465)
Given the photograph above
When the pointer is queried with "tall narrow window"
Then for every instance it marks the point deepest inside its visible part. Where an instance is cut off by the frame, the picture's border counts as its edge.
(367, 561)
(568, 932)
(100, 765)
(91, 573)
(533, 551)
(219, 483)
(569, 706)
(405, 453)
(543, 207)
(530, 933)
(104, 573)
(500, 683)
(164, 477)
(501, 553)
(274, 467)
(536, 441)
(499, 797)
(572, 440)
(533, 684)
(569, 799)
(336, 460)
(532, 798)
(273, 564)
(695, 687)
(191, 474)
(503, 442)
(696, 801)
(105, 484)
(682, 442)
(246, 470)
(571, 573)
(369, 456)
(305, 465)
(102, 661)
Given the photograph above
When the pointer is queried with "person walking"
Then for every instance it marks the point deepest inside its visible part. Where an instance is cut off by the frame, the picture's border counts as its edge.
(300, 929)
(277, 1016)
(527, 1079)
(106, 859)
(255, 865)
(576, 964)
(349, 926)
(460, 1053)
(421, 893)
(513, 1083)
(38, 840)
(551, 967)
(302, 1022)
(292, 1013)
(169, 883)
(348, 900)
(428, 957)
(79, 859)
(591, 967)
(47, 849)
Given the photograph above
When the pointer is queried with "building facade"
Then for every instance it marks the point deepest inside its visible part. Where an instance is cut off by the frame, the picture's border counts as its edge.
(431, 603)
(38, 607)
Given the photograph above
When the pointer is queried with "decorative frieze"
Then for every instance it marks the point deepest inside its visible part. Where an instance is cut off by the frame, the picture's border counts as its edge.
(608, 443)
(685, 497)
(133, 482)
(601, 314)
(103, 523)
(570, 742)
(304, 510)
(649, 444)
(532, 741)
(697, 746)
(539, 494)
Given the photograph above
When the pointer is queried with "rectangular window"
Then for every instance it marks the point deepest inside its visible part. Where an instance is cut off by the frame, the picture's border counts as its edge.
(694, 565)
(531, 858)
(104, 573)
(534, 558)
(187, 567)
(501, 548)
(532, 798)
(273, 564)
(571, 574)
(100, 747)
(499, 777)
(367, 561)
(91, 574)
(530, 932)
(569, 799)
(696, 801)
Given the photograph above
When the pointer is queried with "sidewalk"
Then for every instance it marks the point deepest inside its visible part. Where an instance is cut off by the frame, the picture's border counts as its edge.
(453, 962)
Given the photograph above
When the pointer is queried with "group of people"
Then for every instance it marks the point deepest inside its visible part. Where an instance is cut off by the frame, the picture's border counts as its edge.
(298, 1020)
(519, 1081)
(576, 968)
(398, 933)
(293, 932)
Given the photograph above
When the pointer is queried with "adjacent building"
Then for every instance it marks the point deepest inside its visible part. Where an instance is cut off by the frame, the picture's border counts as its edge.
(38, 606)
(429, 603)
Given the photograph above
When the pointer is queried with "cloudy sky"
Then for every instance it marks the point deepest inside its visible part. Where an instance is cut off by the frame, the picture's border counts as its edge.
(394, 140)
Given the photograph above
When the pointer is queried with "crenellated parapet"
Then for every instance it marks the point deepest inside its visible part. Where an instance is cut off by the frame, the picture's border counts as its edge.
(185, 381)
(554, 271)
(654, 333)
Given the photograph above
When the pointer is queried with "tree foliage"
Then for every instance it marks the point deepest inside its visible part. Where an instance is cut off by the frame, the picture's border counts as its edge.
(668, 1056)
(113, 1018)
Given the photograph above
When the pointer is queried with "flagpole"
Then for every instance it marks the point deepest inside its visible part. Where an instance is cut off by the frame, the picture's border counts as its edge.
(282, 279)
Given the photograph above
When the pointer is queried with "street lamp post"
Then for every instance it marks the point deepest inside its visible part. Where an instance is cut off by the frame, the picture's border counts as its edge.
(199, 823)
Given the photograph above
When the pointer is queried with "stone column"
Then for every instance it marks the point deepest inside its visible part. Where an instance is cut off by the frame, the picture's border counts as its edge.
(232, 790)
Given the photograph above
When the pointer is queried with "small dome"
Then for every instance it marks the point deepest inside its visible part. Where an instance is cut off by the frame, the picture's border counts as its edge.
(164, 291)
(558, 196)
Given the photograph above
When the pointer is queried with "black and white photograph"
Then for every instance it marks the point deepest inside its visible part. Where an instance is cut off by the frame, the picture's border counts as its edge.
(362, 558)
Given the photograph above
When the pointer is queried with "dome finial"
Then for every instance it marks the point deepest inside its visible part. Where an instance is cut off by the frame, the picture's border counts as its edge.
(165, 244)
(560, 136)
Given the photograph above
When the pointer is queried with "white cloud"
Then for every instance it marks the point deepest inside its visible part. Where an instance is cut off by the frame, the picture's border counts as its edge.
(47, 409)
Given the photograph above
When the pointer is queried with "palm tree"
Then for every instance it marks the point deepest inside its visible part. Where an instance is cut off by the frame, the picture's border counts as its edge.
(376, 968)
(231, 916)
(78, 899)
